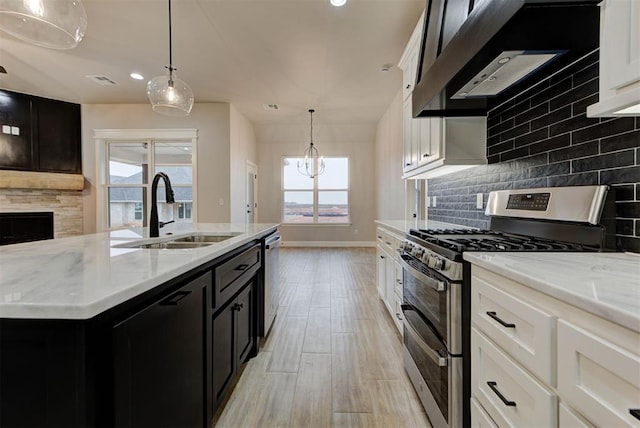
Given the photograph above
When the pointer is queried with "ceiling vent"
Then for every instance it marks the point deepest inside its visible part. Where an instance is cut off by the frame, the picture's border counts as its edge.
(271, 107)
(102, 80)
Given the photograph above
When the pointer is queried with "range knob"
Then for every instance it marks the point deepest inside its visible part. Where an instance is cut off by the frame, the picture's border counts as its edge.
(436, 262)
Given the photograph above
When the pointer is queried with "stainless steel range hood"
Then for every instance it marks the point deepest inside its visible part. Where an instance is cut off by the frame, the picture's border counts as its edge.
(502, 48)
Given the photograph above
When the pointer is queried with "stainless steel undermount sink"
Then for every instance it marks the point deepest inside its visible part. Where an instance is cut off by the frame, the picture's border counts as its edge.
(173, 245)
(183, 242)
(207, 238)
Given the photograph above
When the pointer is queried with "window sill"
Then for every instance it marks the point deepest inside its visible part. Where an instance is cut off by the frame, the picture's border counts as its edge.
(316, 224)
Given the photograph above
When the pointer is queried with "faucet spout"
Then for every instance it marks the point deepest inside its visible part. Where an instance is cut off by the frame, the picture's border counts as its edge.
(154, 224)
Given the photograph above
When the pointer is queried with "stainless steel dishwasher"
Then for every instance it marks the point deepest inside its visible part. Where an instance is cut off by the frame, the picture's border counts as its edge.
(271, 281)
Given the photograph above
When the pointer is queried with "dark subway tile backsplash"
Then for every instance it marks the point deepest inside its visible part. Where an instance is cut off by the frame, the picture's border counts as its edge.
(544, 138)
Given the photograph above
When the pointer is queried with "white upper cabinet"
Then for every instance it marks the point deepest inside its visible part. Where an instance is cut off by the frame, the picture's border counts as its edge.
(619, 60)
(433, 145)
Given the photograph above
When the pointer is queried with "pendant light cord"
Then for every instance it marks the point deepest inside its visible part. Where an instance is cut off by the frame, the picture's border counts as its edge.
(170, 49)
(311, 139)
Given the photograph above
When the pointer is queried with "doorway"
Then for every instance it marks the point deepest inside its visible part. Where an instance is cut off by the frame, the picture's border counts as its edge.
(252, 193)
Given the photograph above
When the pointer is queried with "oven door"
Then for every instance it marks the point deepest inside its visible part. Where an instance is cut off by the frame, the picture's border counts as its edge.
(426, 291)
(435, 374)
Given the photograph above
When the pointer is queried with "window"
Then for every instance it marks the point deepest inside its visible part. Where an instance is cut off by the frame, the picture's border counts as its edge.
(130, 171)
(184, 210)
(320, 200)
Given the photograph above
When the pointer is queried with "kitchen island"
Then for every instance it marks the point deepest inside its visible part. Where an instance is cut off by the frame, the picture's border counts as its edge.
(96, 331)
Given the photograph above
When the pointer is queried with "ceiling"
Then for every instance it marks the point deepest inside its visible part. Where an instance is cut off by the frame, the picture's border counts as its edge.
(298, 54)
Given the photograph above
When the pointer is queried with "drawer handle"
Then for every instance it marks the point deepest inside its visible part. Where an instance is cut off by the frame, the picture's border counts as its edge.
(399, 316)
(635, 413)
(237, 307)
(502, 323)
(175, 298)
(388, 243)
(242, 267)
(506, 402)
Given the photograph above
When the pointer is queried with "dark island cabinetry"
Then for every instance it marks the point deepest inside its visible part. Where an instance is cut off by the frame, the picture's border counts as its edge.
(233, 340)
(165, 358)
(159, 361)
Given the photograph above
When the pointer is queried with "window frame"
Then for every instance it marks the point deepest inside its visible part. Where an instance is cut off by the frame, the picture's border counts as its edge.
(315, 191)
(102, 138)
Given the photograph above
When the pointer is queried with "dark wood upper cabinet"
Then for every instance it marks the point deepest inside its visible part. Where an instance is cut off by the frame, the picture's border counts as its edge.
(39, 134)
(58, 136)
(15, 131)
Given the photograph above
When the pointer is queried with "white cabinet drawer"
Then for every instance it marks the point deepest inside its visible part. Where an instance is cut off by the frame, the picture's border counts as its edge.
(523, 331)
(510, 395)
(569, 419)
(480, 418)
(600, 379)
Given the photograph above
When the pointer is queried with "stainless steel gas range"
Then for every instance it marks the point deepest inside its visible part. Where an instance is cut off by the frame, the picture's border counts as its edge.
(437, 282)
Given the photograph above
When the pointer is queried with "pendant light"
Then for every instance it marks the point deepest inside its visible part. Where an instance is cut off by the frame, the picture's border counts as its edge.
(58, 24)
(168, 94)
(311, 158)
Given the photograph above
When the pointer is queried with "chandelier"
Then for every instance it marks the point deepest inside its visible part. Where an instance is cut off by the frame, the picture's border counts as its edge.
(168, 94)
(51, 24)
(311, 158)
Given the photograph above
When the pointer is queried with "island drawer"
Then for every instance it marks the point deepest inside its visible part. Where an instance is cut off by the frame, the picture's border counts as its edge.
(232, 274)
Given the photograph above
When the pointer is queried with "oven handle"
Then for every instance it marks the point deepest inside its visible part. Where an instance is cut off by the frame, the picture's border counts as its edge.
(436, 356)
(437, 285)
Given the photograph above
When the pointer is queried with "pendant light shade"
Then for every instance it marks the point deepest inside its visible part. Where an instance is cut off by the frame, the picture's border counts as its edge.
(168, 94)
(55, 24)
(312, 158)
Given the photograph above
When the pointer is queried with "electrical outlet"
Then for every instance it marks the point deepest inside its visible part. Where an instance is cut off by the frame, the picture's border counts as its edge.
(221, 201)
(355, 231)
(434, 202)
(428, 201)
(479, 201)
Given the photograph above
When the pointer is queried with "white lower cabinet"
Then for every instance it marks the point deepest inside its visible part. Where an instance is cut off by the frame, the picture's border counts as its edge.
(598, 377)
(567, 418)
(537, 361)
(389, 274)
(510, 395)
(479, 417)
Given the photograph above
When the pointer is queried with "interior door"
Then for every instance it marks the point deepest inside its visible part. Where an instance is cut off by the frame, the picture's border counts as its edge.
(252, 187)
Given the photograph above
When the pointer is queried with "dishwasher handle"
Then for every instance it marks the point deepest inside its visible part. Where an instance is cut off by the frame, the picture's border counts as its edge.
(273, 242)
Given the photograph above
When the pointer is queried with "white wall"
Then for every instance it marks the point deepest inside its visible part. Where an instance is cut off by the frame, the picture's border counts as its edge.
(213, 123)
(242, 149)
(356, 141)
(390, 188)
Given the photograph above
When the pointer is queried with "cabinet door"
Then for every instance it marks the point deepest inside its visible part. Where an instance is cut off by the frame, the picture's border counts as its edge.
(509, 394)
(409, 133)
(601, 380)
(15, 131)
(381, 276)
(409, 74)
(159, 368)
(620, 40)
(244, 324)
(57, 127)
(223, 351)
(390, 280)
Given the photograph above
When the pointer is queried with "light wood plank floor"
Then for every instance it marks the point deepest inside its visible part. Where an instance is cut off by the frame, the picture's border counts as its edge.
(333, 357)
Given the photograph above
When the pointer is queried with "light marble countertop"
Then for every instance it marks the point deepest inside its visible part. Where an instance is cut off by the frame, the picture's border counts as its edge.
(605, 284)
(82, 276)
(403, 226)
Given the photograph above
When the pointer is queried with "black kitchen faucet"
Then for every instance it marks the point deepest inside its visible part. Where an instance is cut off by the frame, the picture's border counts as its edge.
(155, 225)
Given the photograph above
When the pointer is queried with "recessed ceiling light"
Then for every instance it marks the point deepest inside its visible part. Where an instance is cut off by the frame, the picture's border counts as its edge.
(338, 3)
(137, 76)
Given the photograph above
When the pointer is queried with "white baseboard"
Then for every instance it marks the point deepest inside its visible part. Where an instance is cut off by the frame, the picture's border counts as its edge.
(337, 244)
